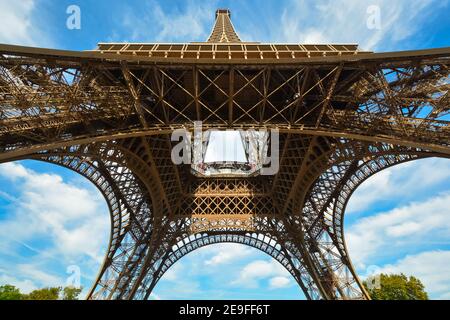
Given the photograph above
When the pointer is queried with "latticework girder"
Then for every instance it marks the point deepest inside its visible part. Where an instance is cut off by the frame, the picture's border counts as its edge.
(369, 99)
(342, 115)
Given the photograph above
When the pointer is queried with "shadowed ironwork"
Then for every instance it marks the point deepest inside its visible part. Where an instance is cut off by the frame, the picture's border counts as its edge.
(108, 114)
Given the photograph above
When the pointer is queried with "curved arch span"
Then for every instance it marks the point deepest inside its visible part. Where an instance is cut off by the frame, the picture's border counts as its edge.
(259, 241)
(366, 170)
(125, 210)
(330, 212)
(130, 207)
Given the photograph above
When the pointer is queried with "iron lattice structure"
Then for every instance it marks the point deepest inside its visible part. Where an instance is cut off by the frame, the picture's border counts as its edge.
(108, 114)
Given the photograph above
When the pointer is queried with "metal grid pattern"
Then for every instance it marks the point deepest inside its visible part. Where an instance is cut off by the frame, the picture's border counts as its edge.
(109, 117)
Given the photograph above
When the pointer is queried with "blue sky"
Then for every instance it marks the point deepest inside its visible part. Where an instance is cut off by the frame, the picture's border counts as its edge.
(398, 221)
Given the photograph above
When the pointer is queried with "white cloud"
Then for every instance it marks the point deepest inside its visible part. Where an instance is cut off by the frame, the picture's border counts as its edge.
(25, 286)
(431, 267)
(344, 21)
(404, 182)
(17, 25)
(279, 282)
(173, 274)
(228, 252)
(419, 222)
(154, 296)
(300, 21)
(31, 272)
(28, 277)
(203, 275)
(47, 205)
(413, 225)
(67, 224)
(13, 171)
(177, 283)
(191, 24)
(261, 269)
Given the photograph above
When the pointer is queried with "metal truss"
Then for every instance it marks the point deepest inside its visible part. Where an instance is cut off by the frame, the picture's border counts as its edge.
(343, 115)
(267, 244)
(51, 101)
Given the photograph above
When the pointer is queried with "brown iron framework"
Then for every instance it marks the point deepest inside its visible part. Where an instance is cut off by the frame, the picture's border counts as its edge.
(343, 115)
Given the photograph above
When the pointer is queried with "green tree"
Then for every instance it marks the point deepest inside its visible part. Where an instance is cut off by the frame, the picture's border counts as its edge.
(396, 287)
(9, 292)
(44, 294)
(71, 293)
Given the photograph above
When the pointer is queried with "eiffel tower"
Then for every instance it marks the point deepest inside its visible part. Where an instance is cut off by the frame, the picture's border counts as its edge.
(341, 115)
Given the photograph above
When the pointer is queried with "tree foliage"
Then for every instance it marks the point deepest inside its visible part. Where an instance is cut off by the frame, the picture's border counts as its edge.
(9, 292)
(395, 287)
(71, 293)
(44, 294)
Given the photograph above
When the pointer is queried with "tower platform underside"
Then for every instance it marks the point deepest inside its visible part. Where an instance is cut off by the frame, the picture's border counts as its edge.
(341, 115)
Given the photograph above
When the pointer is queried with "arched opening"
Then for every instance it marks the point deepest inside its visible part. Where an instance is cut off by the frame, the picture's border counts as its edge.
(54, 226)
(227, 270)
(402, 210)
(397, 221)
